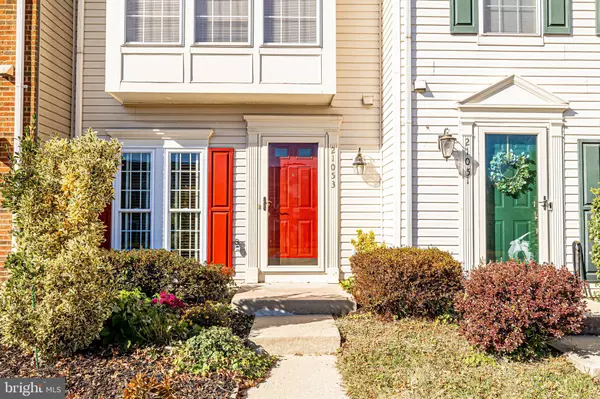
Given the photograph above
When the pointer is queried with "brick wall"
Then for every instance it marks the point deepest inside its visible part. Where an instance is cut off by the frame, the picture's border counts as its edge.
(8, 9)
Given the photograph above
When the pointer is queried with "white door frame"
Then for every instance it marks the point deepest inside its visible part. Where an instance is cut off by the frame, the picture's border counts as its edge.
(542, 185)
(265, 129)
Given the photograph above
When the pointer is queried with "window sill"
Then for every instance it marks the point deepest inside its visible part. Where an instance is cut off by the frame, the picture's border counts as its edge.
(510, 40)
(224, 45)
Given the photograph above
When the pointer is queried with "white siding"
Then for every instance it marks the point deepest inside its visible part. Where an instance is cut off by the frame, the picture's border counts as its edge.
(55, 68)
(455, 66)
(358, 66)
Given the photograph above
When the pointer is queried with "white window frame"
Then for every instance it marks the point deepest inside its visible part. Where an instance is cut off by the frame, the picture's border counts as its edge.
(248, 43)
(166, 44)
(118, 211)
(503, 36)
(203, 197)
(175, 140)
(319, 22)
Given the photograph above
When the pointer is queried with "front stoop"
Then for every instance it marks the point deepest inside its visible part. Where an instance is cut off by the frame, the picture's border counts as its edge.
(296, 335)
(300, 299)
(583, 351)
(591, 323)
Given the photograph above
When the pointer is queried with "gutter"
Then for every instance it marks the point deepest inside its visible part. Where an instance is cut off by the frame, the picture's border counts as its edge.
(408, 120)
(19, 75)
(78, 76)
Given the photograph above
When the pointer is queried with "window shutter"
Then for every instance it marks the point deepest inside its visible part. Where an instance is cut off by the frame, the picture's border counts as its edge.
(220, 206)
(463, 16)
(106, 219)
(589, 175)
(557, 17)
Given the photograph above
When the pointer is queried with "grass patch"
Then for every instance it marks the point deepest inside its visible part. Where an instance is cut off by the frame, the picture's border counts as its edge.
(423, 359)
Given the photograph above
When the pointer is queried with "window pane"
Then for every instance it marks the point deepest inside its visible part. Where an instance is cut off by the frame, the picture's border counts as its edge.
(184, 187)
(135, 230)
(222, 21)
(135, 181)
(290, 21)
(153, 21)
(510, 16)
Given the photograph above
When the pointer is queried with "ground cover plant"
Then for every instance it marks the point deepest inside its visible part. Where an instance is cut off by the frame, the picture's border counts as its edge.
(415, 359)
(517, 308)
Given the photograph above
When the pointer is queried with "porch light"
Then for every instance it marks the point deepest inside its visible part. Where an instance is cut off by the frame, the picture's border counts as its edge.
(359, 163)
(446, 144)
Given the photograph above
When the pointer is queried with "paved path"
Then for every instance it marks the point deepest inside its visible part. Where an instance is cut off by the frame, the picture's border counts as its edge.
(302, 377)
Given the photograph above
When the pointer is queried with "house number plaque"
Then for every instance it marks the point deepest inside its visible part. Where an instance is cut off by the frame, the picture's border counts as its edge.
(467, 159)
(333, 166)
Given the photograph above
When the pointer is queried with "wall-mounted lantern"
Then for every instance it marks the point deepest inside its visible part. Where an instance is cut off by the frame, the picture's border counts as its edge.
(359, 163)
(446, 144)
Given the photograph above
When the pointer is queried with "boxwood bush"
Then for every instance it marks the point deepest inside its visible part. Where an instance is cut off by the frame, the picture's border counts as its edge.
(158, 270)
(516, 308)
(406, 281)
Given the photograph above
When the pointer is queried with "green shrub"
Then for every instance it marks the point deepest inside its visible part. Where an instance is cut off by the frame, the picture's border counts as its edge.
(157, 270)
(56, 195)
(365, 242)
(215, 314)
(594, 227)
(216, 350)
(136, 321)
(406, 281)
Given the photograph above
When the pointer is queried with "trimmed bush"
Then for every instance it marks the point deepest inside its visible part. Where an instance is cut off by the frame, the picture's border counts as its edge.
(158, 270)
(217, 350)
(406, 281)
(60, 286)
(516, 308)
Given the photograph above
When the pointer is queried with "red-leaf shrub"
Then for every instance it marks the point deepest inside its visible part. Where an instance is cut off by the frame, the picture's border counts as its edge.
(406, 281)
(517, 308)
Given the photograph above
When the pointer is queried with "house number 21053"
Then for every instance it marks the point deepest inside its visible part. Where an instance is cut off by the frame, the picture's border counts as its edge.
(333, 166)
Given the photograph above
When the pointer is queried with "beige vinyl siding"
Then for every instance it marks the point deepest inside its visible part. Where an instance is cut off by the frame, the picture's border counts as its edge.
(358, 66)
(456, 67)
(55, 68)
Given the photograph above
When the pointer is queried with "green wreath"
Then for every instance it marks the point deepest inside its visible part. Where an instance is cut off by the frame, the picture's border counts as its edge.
(519, 181)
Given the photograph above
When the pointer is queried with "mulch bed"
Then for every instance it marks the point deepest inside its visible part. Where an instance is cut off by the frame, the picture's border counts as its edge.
(105, 374)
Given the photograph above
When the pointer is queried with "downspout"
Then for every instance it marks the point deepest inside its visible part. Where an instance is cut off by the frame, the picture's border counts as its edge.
(408, 120)
(74, 68)
(19, 74)
(381, 38)
(79, 68)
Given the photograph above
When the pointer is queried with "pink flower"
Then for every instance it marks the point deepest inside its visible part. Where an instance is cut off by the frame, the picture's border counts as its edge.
(169, 300)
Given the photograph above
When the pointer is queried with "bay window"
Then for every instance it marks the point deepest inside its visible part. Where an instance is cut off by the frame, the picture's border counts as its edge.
(161, 200)
(153, 21)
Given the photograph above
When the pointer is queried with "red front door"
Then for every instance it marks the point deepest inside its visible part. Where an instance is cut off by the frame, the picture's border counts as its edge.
(293, 200)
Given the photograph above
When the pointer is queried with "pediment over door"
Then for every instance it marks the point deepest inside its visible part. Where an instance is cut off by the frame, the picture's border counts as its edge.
(514, 93)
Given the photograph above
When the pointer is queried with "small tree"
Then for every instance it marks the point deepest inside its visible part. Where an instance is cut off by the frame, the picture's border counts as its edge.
(56, 193)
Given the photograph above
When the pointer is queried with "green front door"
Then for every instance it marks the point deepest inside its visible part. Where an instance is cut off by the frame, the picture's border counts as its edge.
(511, 219)
(589, 178)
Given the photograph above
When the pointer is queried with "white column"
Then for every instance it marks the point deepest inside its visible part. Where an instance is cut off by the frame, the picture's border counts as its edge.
(332, 215)
(252, 208)
(467, 194)
(556, 169)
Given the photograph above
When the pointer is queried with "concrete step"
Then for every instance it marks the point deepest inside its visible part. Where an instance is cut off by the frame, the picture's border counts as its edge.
(286, 299)
(583, 351)
(296, 335)
(591, 323)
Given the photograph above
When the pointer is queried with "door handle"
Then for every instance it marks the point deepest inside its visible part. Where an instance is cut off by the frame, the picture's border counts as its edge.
(266, 204)
(546, 205)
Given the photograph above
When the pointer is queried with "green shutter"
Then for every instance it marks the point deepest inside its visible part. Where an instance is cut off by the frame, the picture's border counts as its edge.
(557, 17)
(463, 16)
(598, 17)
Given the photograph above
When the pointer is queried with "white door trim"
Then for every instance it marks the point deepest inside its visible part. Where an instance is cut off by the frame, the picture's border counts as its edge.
(542, 185)
(265, 129)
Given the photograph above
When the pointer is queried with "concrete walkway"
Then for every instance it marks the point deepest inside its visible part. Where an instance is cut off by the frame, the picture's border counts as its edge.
(583, 351)
(302, 377)
(295, 322)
